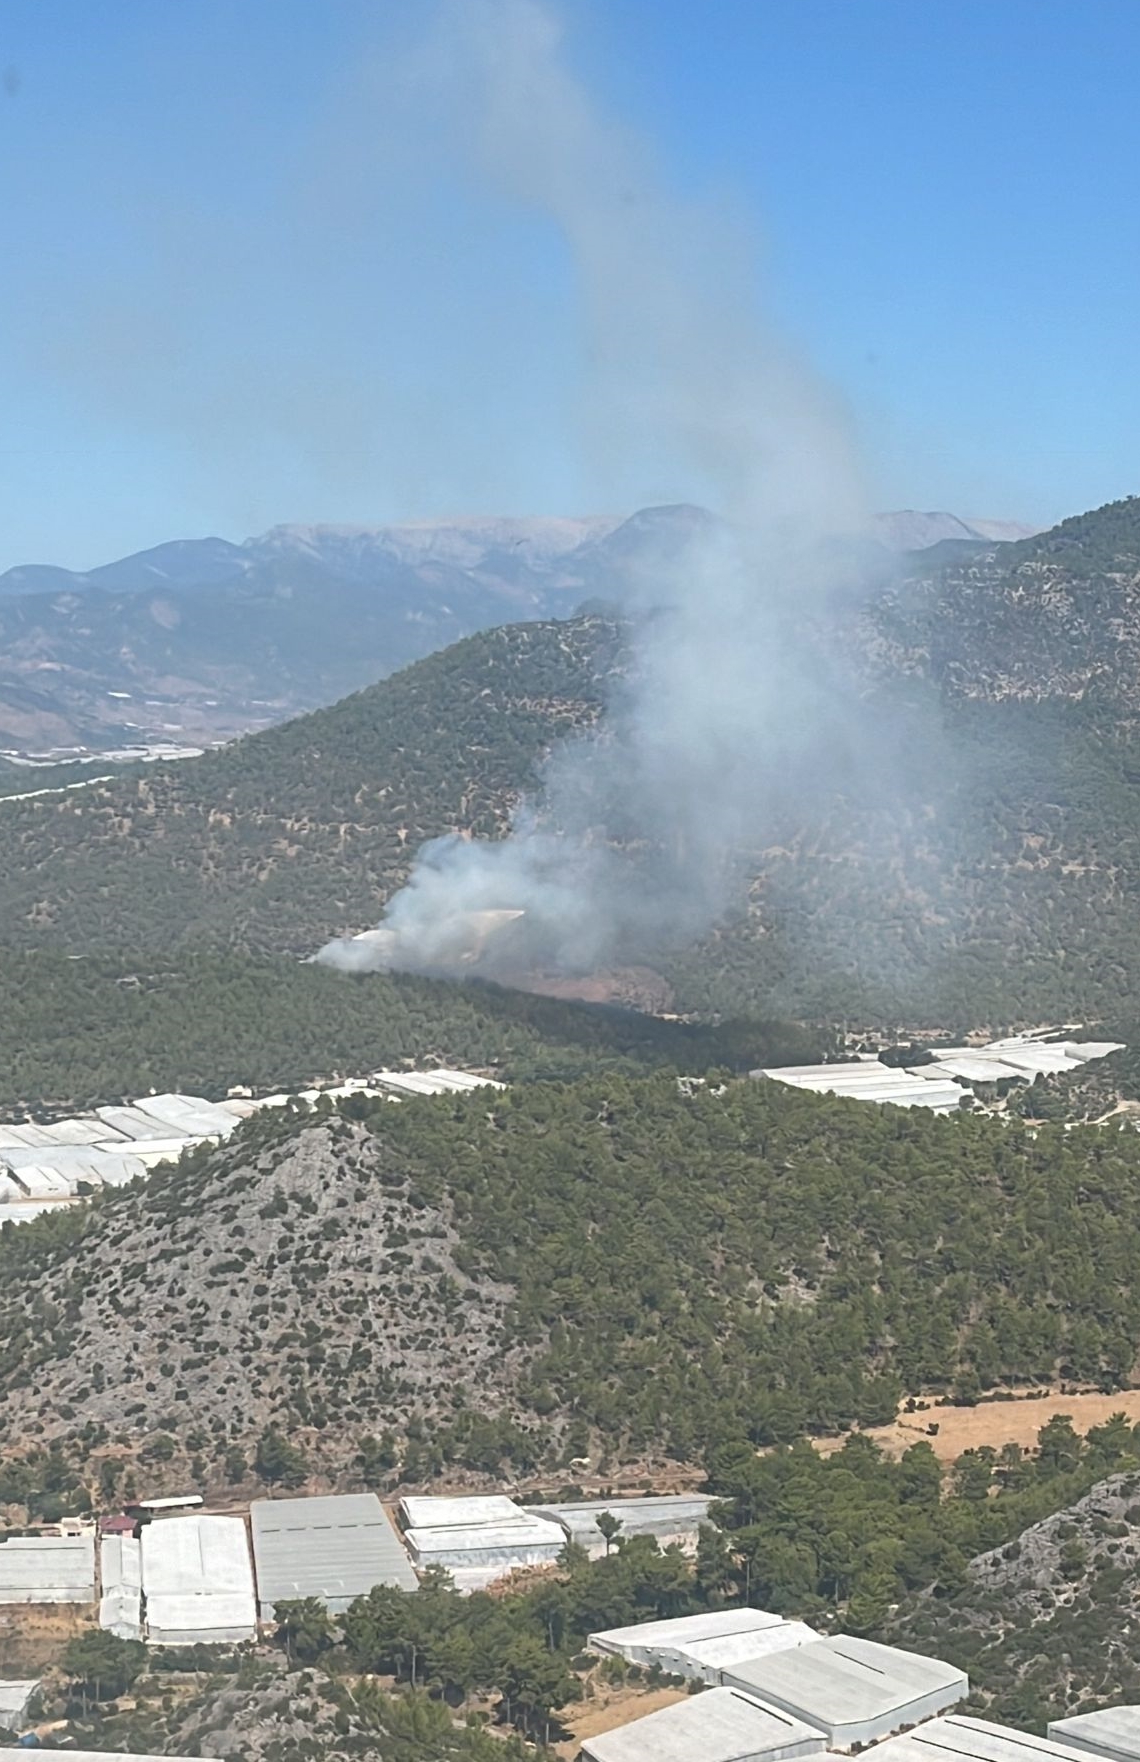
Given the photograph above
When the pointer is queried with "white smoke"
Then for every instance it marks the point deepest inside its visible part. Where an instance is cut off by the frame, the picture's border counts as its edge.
(633, 836)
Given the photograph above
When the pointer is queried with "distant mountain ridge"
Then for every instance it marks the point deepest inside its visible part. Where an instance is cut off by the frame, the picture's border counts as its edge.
(964, 895)
(483, 543)
(201, 639)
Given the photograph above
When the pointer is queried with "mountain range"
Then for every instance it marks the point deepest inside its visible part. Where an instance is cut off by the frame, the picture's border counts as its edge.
(982, 871)
(197, 640)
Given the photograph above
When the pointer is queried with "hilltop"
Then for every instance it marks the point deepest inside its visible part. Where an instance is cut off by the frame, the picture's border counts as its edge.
(1053, 616)
(282, 838)
(618, 1268)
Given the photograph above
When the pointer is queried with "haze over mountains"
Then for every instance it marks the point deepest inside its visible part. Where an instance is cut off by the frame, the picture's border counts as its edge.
(200, 639)
(982, 873)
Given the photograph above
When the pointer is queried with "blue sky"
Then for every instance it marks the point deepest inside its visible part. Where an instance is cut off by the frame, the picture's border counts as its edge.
(247, 279)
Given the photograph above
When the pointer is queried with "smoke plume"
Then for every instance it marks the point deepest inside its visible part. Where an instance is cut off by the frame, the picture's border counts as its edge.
(727, 709)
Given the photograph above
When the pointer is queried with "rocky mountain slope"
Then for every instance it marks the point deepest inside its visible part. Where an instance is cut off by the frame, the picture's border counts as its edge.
(1054, 616)
(300, 1280)
(632, 1270)
(1050, 1623)
(207, 639)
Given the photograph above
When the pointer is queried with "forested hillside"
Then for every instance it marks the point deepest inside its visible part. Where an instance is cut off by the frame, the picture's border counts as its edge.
(283, 838)
(207, 1022)
(981, 868)
(628, 1266)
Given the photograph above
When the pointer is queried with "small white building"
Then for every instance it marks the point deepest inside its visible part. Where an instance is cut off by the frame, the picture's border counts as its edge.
(120, 1604)
(721, 1725)
(14, 1699)
(856, 1691)
(197, 1582)
(673, 1520)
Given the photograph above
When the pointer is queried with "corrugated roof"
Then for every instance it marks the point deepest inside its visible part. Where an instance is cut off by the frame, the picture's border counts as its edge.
(846, 1681)
(973, 1740)
(332, 1547)
(683, 1630)
(48, 1563)
(1113, 1731)
(721, 1725)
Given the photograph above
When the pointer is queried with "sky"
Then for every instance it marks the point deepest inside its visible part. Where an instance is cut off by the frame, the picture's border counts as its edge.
(249, 279)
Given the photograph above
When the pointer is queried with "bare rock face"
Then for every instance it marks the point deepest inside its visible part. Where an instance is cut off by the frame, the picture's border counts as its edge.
(1048, 1624)
(305, 1283)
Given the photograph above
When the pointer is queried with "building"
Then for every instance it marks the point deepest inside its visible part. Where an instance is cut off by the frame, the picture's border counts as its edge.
(710, 1661)
(197, 1582)
(335, 1549)
(21, 1755)
(1020, 1059)
(120, 1571)
(973, 1740)
(478, 1539)
(47, 1569)
(720, 1726)
(1113, 1732)
(14, 1699)
(868, 1079)
(855, 1691)
(673, 1520)
(702, 1646)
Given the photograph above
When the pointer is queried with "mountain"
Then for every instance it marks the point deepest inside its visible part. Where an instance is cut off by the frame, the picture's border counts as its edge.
(908, 530)
(1054, 616)
(631, 1269)
(206, 639)
(983, 870)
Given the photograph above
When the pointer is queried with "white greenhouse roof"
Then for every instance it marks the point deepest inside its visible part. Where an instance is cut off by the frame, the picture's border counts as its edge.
(685, 1630)
(59, 1569)
(870, 1080)
(1113, 1732)
(972, 1740)
(505, 1539)
(732, 1649)
(120, 1606)
(14, 1698)
(90, 1756)
(685, 1510)
(721, 1725)
(333, 1548)
(425, 1512)
(184, 1620)
(25, 1212)
(846, 1682)
(197, 1577)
